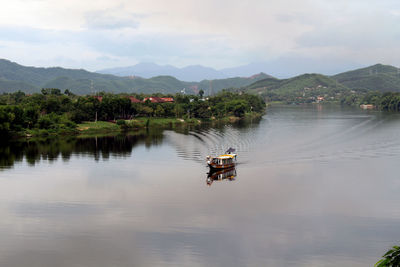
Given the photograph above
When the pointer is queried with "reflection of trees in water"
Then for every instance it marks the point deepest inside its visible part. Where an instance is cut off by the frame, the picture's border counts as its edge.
(50, 149)
(53, 148)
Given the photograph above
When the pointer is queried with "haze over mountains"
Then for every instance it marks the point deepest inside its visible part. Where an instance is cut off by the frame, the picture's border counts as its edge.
(14, 77)
(193, 73)
(280, 68)
(148, 70)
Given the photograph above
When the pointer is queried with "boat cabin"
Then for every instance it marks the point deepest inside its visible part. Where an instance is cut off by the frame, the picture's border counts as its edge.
(222, 161)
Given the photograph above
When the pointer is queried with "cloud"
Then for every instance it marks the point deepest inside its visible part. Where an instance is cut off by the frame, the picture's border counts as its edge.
(213, 33)
(106, 19)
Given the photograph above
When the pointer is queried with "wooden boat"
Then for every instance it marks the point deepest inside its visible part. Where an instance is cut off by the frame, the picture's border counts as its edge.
(227, 160)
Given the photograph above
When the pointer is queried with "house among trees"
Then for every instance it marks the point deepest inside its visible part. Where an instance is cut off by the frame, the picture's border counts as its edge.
(152, 99)
(100, 98)
(134, 99)
(155, 99)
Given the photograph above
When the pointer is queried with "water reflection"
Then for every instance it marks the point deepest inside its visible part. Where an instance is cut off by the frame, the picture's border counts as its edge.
(50, 149)
(191, 143)
(314, 185)
(228, 174)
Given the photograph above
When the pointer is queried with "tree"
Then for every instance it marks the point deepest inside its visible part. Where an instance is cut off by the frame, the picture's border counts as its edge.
(51, 91)
(238, 107)
(202, 110)
(201, 93)
(5, 121)
(390, 259)
(68, 92)
(179, 110)
(159, 111)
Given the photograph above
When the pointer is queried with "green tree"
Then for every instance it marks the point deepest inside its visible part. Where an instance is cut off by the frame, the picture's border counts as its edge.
(51, 91)
(159, 111)
(238, 107)
(201, 93)
(390, 259)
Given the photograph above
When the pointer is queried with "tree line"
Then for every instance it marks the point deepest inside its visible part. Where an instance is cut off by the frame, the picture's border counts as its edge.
(54, 111)
(388, 101)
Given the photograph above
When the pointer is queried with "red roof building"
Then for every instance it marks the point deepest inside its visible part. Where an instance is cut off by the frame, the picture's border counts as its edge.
(167, 99)
(156, 99)
(100, 98)
(134, 99)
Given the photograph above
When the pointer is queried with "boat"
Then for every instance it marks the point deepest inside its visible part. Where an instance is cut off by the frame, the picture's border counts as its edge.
(224, 161)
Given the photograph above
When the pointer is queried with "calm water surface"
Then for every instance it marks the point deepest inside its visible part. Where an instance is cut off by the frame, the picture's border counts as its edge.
(315, 186)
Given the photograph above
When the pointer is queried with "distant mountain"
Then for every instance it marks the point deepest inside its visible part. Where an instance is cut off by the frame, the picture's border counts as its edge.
(148, 70)
(14, 77)
(384, 78)
(247, 70)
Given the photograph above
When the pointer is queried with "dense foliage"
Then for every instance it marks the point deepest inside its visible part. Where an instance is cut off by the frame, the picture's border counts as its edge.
(53, 111)
(389, 101)
(391, 258)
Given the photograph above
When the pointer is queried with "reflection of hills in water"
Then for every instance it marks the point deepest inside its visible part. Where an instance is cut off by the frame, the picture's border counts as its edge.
(98, 147)
(226, 174)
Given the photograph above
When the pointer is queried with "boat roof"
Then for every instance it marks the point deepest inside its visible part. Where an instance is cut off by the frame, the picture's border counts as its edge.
(226, 156)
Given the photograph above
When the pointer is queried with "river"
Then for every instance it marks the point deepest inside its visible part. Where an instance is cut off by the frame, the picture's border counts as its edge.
(314, 186)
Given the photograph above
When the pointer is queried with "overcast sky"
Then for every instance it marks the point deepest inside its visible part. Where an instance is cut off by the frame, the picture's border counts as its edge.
(324, 35)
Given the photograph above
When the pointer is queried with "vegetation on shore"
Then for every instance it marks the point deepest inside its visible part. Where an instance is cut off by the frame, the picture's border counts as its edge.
(389, 101)
(53, 112)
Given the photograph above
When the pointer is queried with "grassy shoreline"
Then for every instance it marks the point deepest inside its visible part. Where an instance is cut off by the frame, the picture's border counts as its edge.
(140, 123)
(102, 127)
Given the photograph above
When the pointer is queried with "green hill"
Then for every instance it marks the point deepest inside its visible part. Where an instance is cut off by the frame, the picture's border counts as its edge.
(7, 86)
(14, 77)
(306, 85)
(378, 77)
(237, 82)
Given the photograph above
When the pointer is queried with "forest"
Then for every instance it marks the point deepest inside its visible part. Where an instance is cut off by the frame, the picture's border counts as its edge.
(53, 111)
(389, 101)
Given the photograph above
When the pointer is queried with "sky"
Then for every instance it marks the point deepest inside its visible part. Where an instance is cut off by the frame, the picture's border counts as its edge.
(323, 36)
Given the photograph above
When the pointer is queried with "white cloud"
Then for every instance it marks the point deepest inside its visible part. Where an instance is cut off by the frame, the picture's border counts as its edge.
(216, 33)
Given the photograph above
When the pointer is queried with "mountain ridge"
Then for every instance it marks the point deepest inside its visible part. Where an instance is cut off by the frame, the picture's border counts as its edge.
(378, 77)
(14, 77)
(191, 73)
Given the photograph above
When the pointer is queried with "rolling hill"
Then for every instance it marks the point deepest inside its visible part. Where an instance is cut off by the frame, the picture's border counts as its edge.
(296, 85)
(14, 77)
(378, 77)
(384, 78)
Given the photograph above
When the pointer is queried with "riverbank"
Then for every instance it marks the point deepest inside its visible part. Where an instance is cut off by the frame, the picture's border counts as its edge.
(102, 127)
(137, 123)
(119, 126)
